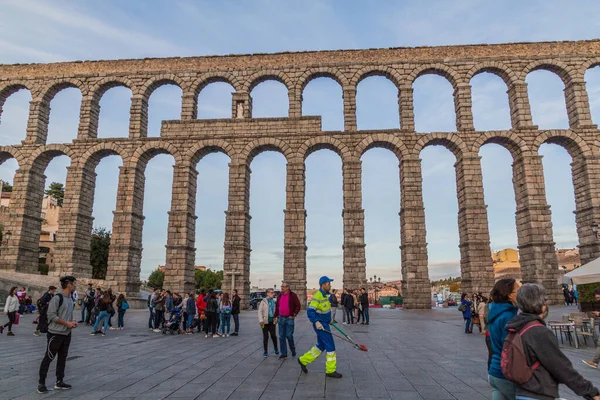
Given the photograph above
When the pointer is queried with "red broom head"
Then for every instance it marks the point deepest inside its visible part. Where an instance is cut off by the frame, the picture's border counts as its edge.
(363, 347)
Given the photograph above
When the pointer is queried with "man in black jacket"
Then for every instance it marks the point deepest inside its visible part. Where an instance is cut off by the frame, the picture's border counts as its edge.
(42, 325)
(235, 311)
(541, 347)
(348, 304)
(364, 303)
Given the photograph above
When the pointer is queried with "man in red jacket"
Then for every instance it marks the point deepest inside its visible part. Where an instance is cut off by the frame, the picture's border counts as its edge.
(201, 306)
(286, 309)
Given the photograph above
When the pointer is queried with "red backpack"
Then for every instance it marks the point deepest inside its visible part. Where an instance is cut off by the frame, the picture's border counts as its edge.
(514, 361)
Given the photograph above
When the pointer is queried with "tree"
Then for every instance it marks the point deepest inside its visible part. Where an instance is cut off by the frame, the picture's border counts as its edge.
(156, 279)
(99, 252)
(208, 279)
(57, 190)
(455, 287)
(7, 187)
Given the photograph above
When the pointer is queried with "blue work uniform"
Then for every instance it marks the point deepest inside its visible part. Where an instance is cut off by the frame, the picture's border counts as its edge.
(319, 310)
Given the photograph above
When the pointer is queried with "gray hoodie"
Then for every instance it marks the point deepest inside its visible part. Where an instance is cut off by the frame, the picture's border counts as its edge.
(65, 312)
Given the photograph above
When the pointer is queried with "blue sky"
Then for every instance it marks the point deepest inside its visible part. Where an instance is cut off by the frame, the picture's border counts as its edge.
(37, 31)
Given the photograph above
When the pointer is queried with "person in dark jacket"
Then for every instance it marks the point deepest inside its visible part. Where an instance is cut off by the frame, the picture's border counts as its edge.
(364, 302)
(286, 309)
(348, 304)
(334, 304)
(190, 309)
(211, 314)
(541, 346)
(467, 313)
(502, 309)
(235, 312)
(42, 325)
(342, 299)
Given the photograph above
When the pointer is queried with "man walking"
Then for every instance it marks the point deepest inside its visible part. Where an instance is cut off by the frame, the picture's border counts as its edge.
(364, 302)
(60, 320)
(319, 313)
(334, 304)
(286, 309)
(235, 311)
(42, 325)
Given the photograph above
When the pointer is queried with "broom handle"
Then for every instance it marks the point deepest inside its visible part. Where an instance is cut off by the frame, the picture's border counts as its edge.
(341, 331)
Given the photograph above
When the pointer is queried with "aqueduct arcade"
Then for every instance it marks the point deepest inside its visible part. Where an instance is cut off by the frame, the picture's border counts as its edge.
(242, 137)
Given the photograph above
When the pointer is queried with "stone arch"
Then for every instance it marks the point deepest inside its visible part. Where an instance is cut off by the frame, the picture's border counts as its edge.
(322, 72)
(493, 67)
(206, 79)
(257, 146)
(383, 140)
(8, 152)
(325, 142)
(451, 141)
(41, 157)
(570, 141)
(155, 82)
(367, 72)
(142, 155)
(52, 89)
(267, 75)
(95, 154)
(102, 86)
(507, 139)
(565, 72)
(437, 69)
(205, 147)
(12, 88)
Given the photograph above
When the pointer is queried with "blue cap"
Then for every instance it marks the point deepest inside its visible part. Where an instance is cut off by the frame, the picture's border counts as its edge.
(324, 279)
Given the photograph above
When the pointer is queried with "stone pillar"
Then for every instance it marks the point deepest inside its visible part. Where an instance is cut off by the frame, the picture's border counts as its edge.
(125, 256)
(355, 263)
(578, 105)
(520, 110)
(181, 251)
(37, 124)
(294, 247)
(237, 232)
(189, 104)
(534, 226)
(349, 95)
(138, 117)
(416, 288)
(586, 172)
(295, 103)
(407, 113)
(463, 107)
(241, 106)
(89, 114)
(476, 264)
(21, 254)
(73, 244)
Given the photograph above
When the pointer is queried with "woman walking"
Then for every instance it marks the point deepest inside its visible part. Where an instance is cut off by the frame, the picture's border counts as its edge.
(10, 309)
(467, 313)
(225, 309)
(190, 308)
(122, 306)
(211, 315)
(266, 312)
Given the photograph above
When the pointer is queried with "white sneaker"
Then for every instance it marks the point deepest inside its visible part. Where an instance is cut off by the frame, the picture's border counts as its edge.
(206, 335)
(156, 330)
(215, 335)
(227, 335)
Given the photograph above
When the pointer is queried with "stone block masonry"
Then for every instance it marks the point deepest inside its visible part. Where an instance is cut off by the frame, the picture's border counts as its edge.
(243, 137)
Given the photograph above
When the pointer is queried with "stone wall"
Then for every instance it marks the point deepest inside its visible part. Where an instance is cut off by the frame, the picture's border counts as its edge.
(243, 137)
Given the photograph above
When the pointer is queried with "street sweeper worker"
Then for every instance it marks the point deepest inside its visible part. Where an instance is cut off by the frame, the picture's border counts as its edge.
(319, 314)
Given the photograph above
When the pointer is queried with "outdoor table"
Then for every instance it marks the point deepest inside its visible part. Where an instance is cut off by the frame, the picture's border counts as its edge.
(560, 326)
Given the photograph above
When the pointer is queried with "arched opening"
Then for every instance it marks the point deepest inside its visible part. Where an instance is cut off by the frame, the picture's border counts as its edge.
(381, 202)
(164, 104)
(267, 202)
(560, 194)
(157, 204)
(14, 114)
(8, 167)
(490, 102)
(433, 98)
(270, 99)
(377, 104)
(214, 101)
(499, 195)
(63, 122)
(323, 96)
(547, 100)
(324, 223)
(592, 85)
(441, 210)
(115, 106)
(211, 204)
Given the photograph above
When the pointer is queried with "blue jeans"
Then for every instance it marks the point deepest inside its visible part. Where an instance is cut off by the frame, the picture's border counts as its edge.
(236, 322)
(151, 319)
(190, 319)
(286, 335)
(158, 318)
(103, 315)
(83, 312)
(468, 324)
(120, 316)
(225, 323)
(366, 315)
(502, 389)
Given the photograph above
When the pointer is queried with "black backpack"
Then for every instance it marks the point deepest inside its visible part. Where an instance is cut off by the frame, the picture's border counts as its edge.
(43, 322)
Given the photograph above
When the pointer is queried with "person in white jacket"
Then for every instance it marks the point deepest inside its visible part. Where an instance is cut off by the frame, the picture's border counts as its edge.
(10, 308)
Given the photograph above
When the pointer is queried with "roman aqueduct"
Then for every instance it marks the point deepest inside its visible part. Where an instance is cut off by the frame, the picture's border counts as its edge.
(242, 137)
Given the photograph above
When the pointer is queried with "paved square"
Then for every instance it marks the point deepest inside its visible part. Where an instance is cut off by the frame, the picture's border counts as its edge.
(412, 355)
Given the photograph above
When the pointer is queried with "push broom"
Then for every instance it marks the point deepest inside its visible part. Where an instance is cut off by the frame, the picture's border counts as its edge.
(347, 338)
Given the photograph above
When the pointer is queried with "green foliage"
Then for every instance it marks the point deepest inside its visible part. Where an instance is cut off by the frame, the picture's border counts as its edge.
(156, 279)
(208, 279)
(57, 190)
(586, 292)
(446, 282)
(99, 252)
(43, 269)
(7, 187)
